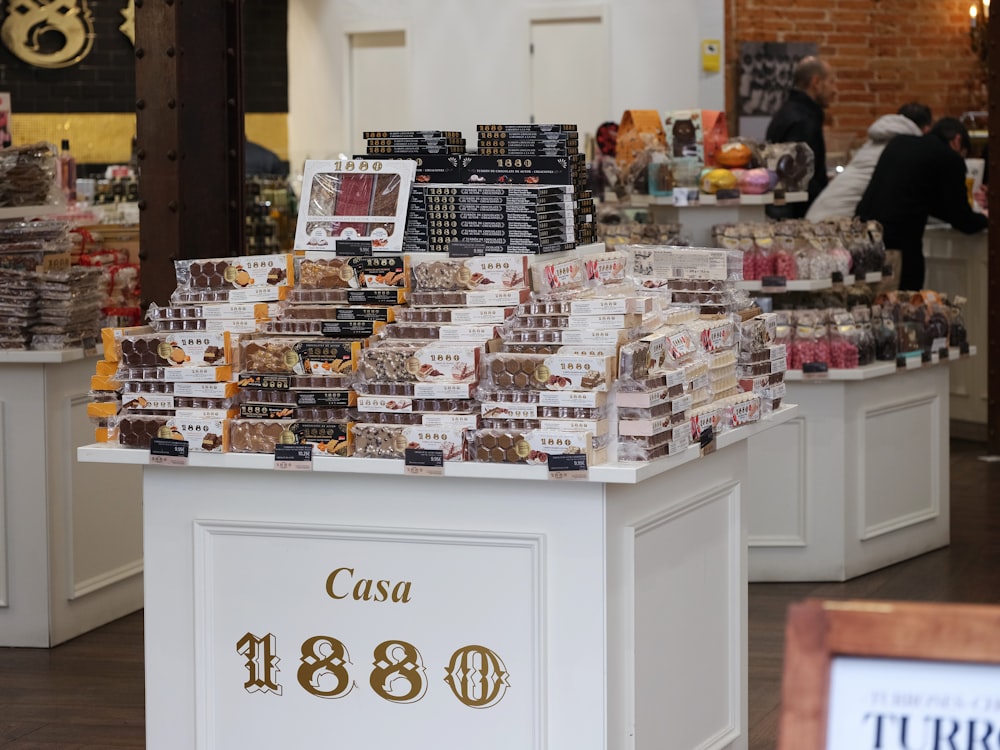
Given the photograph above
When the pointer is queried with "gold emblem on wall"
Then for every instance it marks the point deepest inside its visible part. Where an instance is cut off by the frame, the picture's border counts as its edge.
(128, 25)
(48, 33)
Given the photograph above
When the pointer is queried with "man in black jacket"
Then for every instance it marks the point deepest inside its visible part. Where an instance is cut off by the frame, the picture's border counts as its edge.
(917, 177)
(800, 118)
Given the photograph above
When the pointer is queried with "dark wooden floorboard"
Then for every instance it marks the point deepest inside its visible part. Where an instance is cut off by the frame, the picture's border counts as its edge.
(88, 694)
(968, 570)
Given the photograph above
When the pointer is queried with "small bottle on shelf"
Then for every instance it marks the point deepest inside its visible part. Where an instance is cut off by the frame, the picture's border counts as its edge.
(67, 171)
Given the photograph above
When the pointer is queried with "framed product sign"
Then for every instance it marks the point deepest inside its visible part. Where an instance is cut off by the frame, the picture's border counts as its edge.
(354, 199)
(371, 637)
(872, 675)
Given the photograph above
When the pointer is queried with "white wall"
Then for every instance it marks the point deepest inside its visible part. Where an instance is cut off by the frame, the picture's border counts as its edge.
(470, 61)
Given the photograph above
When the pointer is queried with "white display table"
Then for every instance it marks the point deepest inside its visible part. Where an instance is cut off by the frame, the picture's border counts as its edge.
(697, 220)
(70, 533)
(861, 479)
(490, 606)
(959, 263)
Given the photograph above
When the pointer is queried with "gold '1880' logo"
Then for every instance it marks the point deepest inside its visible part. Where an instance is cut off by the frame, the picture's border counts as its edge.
(48, 33)
(476, 674)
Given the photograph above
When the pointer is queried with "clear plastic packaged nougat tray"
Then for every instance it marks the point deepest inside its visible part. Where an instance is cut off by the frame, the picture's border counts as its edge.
(352, 296)
(547, 372)
(327, 270)
(433, 363)
(484, 298)
(299, 356)
(441, 331)
(526, 446)
(225, 311)
(252, 410)
(391, 441)
(137, 431)
(634, 449)
(454, 315)
(174, 350)
(255, 278)
(259, 435)
(374, 403)
(431, 273)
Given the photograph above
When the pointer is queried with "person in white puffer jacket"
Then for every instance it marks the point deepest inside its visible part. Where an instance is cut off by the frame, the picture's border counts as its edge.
(842, 195)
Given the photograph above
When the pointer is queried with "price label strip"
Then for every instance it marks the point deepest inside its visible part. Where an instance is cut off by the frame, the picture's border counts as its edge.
(293, 457)
(423, 462)
(167, 452)
(568, 466)
(354, 248)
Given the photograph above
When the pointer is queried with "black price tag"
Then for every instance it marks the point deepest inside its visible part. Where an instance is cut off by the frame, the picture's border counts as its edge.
(568, 466)
(707, 440)
(423, 462)
(774, 283)
(815, 368)
(838, 277)
(465, 250)
(167, 452)
(354, 248)
(293, 457)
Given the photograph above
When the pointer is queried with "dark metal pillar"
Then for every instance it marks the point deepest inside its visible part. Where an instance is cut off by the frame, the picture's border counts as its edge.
(993, 316)
(189, 114)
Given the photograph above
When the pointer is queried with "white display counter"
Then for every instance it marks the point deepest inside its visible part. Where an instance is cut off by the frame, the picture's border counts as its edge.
(490, 606)
(697, 220)
(959, 264)
(70, 533)
(858, 480)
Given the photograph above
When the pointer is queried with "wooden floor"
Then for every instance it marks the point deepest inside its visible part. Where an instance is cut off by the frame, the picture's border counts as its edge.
(968, 570)
(88, 694)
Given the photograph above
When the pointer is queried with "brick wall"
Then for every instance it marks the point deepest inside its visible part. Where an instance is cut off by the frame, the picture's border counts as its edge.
(104, 81)
(885, 53)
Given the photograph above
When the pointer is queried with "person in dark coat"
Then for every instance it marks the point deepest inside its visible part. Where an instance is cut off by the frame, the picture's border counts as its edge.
(800, 119)
(263, 161)
(917, 177)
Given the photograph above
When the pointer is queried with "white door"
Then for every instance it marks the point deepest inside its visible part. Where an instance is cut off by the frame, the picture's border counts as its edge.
(378, 92)
(560, 90)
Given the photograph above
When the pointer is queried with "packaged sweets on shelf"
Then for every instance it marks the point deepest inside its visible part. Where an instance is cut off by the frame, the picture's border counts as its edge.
(259, 435)
(391, 441)
(137, 431)
(531, 447)
(299, 356)
(253, 278)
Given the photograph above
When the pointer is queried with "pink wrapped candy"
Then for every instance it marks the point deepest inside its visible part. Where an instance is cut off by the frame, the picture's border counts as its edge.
(755, 181)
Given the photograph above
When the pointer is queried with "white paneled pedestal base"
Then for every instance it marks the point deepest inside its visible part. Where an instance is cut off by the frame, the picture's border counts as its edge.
(856, 481)
(70, 532)
(493, 608)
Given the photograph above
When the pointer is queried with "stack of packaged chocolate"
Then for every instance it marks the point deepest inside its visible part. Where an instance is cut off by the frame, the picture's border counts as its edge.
(521, 219)
(298, 375)
(558, 214)
(762, 361)
(414, 142)
(417, 383)
(46, 303)
(692, 360)
(657, 377)
(177, 377)
(527, 140)
(549, 385)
